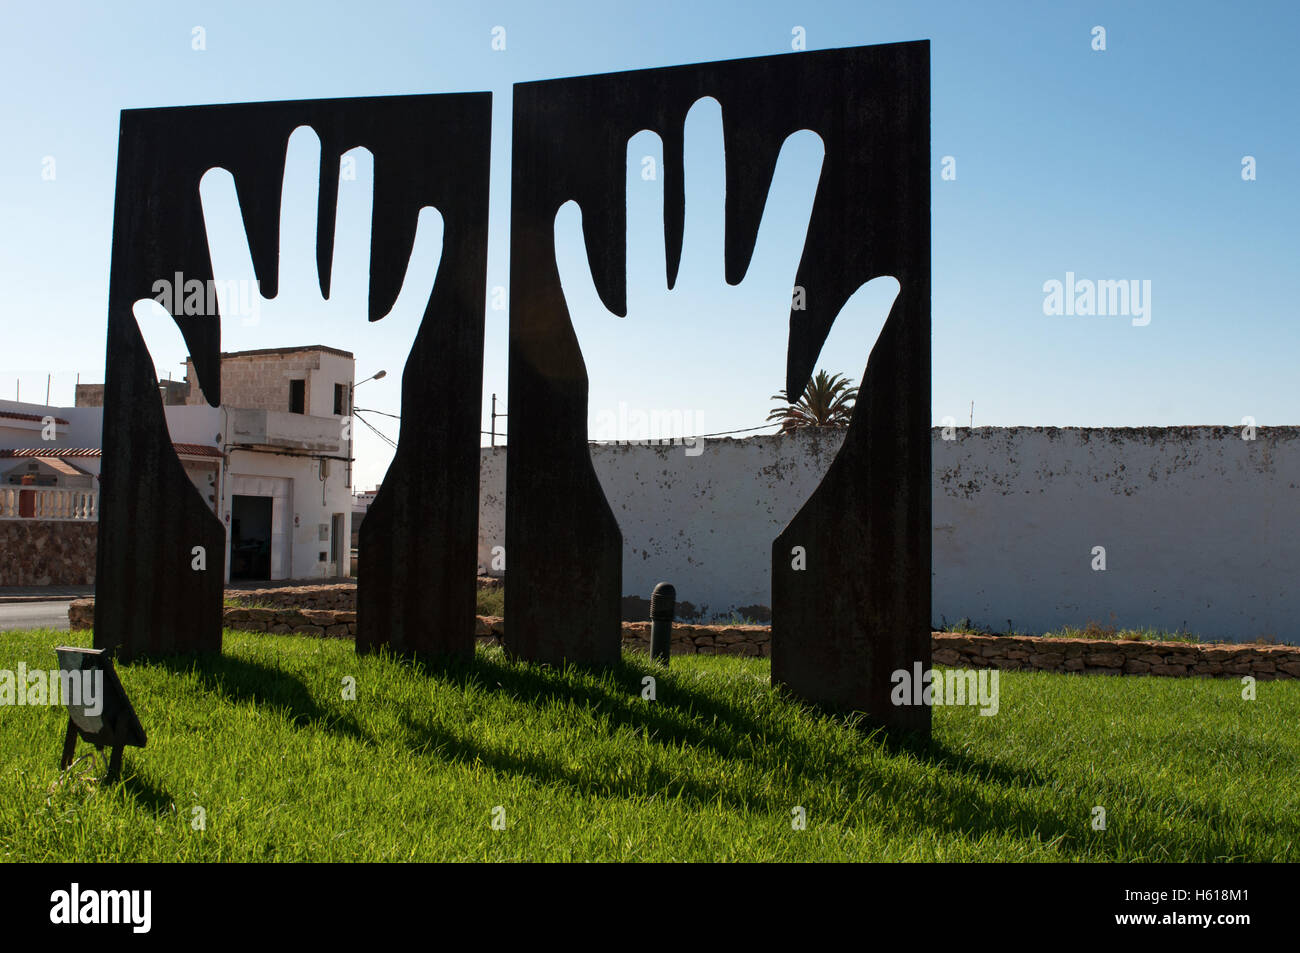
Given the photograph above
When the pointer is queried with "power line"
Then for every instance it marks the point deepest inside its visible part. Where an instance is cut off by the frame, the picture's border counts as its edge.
(723, 433)
(382, 436)
(487, 433)
(367, 410)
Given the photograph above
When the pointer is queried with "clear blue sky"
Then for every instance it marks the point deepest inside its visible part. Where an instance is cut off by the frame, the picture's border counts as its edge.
(1122, 164)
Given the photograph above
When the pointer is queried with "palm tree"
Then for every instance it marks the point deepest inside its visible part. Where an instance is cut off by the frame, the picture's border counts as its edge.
(827, 401)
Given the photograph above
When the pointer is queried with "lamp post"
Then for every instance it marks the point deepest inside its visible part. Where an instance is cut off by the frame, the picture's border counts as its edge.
(378, 376)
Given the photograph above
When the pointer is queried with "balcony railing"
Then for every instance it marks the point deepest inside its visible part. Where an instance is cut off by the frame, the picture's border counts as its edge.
(48, 503)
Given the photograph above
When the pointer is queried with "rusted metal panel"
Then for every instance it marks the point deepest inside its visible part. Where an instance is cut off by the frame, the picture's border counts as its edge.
(843, 626)
(419, 538)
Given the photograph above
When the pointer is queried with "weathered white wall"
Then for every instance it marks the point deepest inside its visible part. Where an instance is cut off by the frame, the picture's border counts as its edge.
(1199, 526)
(299, 509)
(82, 430)
(201, 425)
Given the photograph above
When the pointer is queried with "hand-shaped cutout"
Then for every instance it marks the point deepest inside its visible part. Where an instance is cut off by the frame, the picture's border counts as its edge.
(741, 328)
(342, 297)
(736, 346)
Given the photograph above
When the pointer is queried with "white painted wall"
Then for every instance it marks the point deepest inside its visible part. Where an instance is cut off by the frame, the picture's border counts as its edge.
(293, 482)
(189, 424)
(298, 510)
(333, 369)
(85, 427)
(82, 430)
(1199, 526)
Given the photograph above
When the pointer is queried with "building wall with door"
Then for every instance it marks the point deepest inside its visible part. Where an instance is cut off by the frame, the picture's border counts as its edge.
(295, 460)
(304, 510)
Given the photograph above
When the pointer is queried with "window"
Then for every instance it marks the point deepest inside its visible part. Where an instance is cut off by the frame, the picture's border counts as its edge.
(298, 397)
(340, 400)
(336, 541)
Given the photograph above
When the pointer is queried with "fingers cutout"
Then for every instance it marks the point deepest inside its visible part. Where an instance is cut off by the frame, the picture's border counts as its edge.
(704, 169)
(422, 269)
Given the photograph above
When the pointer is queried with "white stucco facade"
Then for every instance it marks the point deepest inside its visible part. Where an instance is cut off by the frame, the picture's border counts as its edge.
(303, 515)
(259, 446)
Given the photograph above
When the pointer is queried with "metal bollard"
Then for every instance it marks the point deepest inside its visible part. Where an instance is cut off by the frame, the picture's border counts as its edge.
(662, 603)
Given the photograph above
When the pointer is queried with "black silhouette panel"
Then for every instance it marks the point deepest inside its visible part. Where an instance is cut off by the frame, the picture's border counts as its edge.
(418, 541)
(861, 607)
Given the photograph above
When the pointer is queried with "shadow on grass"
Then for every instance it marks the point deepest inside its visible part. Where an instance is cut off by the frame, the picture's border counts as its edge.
(240, 680)
(683, 716)
(146, 794)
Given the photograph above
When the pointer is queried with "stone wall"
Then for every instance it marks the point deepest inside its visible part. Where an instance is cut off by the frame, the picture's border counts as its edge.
(260, 379)
(340, 596)
(88, 395)
(333, 623)
(47, 552)
(1023, 653)
(330, 623)
(1095, 656)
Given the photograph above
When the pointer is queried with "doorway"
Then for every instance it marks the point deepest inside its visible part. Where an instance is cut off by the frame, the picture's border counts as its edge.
(250, 537)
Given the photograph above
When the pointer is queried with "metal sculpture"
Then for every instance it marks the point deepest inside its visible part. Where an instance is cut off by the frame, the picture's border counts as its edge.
(851, 573)
(419, 539)
(859, 607)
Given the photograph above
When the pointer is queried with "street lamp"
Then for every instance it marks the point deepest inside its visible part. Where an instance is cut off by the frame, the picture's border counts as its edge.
(378, 376)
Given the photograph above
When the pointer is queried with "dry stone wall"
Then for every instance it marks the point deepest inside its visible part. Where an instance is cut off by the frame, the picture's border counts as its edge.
(47, 552)
(340, 597)
(1023, 653)
(1122, 657)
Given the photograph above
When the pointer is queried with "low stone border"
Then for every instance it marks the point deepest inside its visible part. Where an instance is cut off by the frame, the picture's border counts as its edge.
(45, 552)
(330, 595)
(339, 595)
(749, 640)
(1014, 652)
(1116, 657)
(81, 614)
(332, 623)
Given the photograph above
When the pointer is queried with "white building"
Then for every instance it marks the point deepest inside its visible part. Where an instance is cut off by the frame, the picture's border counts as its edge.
(271, 461)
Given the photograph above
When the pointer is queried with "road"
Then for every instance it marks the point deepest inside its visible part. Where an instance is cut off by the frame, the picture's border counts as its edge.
(34, 615)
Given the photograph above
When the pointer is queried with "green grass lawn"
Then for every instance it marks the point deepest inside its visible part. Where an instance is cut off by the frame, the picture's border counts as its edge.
(585, 769)
(492, 601)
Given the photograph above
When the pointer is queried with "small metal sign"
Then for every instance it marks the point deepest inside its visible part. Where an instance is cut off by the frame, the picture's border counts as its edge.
(98, 709)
